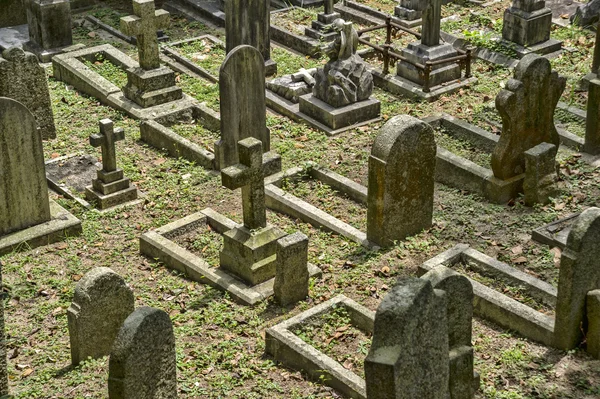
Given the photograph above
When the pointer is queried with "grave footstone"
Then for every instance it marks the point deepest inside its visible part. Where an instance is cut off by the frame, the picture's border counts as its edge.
(50, 29)
(409, 353)
(249, 251)
(142, 360)
(101, 303)
(540, 174)
(401, 180)
(429, 49)
(23, 188)
(579, 274)
(22, 78)
(592, 123)
(243, 104)
(151, 84)
(342, 88)
(526, 105)
(291, 271)
(111, 188)
(248, 22)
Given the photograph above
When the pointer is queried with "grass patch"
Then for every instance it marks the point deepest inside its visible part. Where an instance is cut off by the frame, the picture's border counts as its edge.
(205, 54)
(109, 71)
(197, 133)
(462, 148)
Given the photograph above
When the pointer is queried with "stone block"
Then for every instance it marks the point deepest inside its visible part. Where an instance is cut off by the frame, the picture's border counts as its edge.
(49, 23)
(420, 54)
(593, 323)
(101, 303)
(337, 118)
(527, 28)
(592, 125)
(148, 88)
(106, 201)
(291, 271)
(541, 175)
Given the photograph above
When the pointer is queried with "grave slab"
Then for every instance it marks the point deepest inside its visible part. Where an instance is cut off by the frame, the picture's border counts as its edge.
(159, 245)
(555, 234)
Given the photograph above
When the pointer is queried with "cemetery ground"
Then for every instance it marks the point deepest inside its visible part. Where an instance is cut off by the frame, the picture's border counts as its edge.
(220, 344)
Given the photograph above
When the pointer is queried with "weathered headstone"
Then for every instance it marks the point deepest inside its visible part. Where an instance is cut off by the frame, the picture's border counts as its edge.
(50, 27)
(429, 48)
(22, 78)
(249, 251)
(150, 84)
(527, 22)
(579, 274)
(111, 188)
(243, 104)
(3, 359)
(13, 13)
(586, 14)
(401, 180)
(526, 105)
(101, 303)
(249, 22)
(592, 337)
(142, 360)
(459, 294)
(409, 353)
(592, 123)
(540, 174)
(291, 271)
(23, 189)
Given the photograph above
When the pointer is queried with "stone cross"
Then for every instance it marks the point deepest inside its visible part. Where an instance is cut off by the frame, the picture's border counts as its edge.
(106, 139)
(526, 105)
(143, 25)
(430, 33)
(249, 174)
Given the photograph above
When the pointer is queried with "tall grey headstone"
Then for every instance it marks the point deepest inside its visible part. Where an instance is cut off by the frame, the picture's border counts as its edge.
(142, 361)
(101, 303)
(249, 22)
(409, 353)
(22, 78)
(579, 274)
(401, 180)
(24, 198)
(291, 277)
(243, 104)
(592, 122)
(526, 105)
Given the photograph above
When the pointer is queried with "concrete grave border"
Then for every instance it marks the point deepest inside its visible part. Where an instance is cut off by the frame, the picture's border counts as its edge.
(170, 50)
(555, 233)
(158, 245)
(62, 224)
(280, 201)
(363, 14)
(117, 33)
(301, 43)
(70, 69)
(287, 348)
(497, 307)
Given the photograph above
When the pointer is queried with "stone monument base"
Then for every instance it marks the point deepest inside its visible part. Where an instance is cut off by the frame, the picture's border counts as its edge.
(250, 255)
(338, 118)
(407, 13)
(110, 189)
(527, 28)
(62, 224)
(45, 55)
(543, 48)
(419, 53)
(318, 27)
(153, 87)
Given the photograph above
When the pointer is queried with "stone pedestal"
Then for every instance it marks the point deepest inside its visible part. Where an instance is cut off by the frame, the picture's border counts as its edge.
(527, 22)
(410, 9)
(110, 189)
(420, 53)
(338, 118)
(148, 88)
(49, 27)
(318, 27)
(251, 254)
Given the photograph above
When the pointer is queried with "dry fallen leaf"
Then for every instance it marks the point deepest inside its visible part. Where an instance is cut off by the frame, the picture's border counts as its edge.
(518, 250)
(520, 259)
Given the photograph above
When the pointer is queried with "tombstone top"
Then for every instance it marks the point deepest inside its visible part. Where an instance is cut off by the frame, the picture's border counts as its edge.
(106, 139)
(143, 25)
(432, 14)
(249, 174)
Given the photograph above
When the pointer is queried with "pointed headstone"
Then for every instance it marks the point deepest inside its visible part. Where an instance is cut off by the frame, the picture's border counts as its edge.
(142, 360)
(401, 180)
(101, 303)
(24, 198)
(526, 105)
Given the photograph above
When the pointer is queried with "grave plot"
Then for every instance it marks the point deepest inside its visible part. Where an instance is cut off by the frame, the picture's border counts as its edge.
(292, 343)
(109, 20)
(69, 175)
(288, 27)
(202, 55)
(371, 12)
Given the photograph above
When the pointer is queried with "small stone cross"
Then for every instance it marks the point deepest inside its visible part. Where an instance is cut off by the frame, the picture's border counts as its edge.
(106, 139)
(249, 174)
(432, 15)
(143, 25)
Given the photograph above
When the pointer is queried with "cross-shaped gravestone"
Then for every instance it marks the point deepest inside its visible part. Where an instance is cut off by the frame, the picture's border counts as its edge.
(249, 174)
(143, 25)
(106, 139)
(430, 33)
